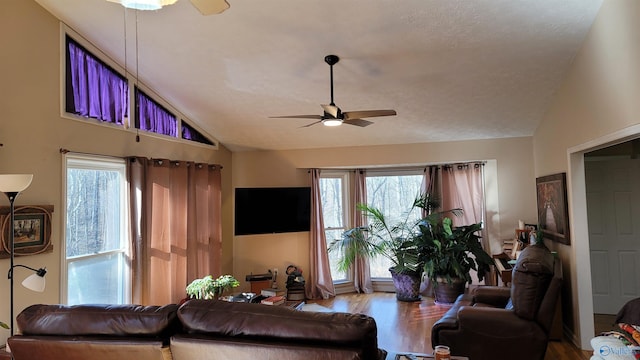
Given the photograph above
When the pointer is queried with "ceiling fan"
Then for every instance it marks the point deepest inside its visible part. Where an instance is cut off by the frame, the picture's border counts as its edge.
(206, 7)
(333, 116)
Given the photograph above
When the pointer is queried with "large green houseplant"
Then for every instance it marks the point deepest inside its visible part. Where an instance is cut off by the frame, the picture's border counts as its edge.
(428, 244)
(449, 254)
(398, 241)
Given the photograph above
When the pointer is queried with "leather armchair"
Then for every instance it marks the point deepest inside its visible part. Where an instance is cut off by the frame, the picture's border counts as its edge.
(506, 323)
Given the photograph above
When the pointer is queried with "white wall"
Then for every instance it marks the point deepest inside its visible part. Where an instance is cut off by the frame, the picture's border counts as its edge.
(596, 105)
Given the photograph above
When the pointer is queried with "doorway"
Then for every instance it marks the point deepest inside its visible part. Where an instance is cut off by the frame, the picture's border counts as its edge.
(580, 252)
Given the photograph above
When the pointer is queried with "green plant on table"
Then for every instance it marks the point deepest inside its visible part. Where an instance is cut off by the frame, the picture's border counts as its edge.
(210, 288)
(3, 325)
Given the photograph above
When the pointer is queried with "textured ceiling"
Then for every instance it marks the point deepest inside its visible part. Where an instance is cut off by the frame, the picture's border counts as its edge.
(452, 69)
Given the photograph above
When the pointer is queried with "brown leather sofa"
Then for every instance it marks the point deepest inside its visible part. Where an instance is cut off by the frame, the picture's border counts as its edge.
(501, 323)
(199, 329)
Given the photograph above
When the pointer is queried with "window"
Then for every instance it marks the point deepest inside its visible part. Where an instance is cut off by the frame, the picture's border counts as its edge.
(93, 89)
(189, 133)
(96, 265)
(153, 117)
(393, 193)
(333, 196)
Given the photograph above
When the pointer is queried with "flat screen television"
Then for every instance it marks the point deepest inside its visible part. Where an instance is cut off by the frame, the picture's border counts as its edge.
(272, 210)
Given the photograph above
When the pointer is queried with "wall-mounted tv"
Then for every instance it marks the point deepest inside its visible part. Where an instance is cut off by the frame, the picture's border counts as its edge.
(272, 210)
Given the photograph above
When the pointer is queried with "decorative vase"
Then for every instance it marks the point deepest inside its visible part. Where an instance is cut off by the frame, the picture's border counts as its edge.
(447, 293)
(407, 285)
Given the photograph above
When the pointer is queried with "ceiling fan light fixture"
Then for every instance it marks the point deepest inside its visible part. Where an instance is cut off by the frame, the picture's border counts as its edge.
(145, 4)
(332, 122)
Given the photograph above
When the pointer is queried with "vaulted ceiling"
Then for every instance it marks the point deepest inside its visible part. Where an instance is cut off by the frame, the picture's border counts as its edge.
(452, 69)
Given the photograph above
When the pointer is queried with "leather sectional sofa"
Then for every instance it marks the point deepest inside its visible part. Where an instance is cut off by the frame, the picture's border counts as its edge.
(199, 329)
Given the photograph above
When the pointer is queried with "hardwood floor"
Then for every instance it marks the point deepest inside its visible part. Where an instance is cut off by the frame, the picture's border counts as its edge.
(406, 327)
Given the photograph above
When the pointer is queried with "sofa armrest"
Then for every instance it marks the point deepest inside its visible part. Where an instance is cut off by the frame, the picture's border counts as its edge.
(496, 296)
(504, 323)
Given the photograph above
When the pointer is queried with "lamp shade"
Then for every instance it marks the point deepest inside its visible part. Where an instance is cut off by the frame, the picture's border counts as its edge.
(14, 182)
(35, 282)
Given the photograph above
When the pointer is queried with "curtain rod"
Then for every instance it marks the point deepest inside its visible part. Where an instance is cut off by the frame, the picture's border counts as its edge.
(66, 151)
(400, 168)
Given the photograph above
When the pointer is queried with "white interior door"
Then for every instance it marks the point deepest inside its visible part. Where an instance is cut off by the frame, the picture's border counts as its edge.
(613, 209)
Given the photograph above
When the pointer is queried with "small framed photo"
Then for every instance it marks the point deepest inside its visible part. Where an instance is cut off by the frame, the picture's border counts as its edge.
(31, 230)
(28, 230)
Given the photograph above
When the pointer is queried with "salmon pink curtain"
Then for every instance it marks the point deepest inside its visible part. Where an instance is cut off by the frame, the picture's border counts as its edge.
(319, 282)
(361, 271)
(463, 187)
(176, 227)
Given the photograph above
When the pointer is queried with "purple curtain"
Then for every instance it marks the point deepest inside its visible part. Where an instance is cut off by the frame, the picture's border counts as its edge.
(154, 118)
(189, 133)
(97, 91)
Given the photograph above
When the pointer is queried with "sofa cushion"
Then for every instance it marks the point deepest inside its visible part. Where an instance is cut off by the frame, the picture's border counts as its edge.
(530, 280)
(92, 320)
(278, 323)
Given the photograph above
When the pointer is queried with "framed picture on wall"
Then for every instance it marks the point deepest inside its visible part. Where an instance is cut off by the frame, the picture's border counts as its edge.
(553, 212)
(31, 230)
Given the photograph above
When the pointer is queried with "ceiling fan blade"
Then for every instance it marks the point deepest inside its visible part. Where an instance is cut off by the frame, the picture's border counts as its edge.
(313, 123)
(331, 110)
(210, 7)
(357, 122)
(319, 117)
(367, 113)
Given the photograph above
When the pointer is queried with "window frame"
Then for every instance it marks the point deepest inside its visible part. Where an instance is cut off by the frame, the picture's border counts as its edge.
(386, 283)
(93, 162)
(345, 178)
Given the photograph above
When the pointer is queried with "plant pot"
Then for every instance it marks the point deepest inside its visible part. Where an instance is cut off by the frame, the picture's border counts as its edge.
(407, 285)
(447, 293)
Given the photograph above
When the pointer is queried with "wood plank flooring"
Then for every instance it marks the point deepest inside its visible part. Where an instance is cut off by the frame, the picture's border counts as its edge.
(406, 327)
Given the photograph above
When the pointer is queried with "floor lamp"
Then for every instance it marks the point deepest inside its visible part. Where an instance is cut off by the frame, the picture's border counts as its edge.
(11, 185)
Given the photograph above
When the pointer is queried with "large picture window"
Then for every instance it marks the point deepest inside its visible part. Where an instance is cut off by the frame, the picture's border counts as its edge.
(96, 248)
(393, 193)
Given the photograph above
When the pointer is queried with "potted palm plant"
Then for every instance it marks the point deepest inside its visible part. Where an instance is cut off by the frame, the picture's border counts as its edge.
(210, 288)
(398, 241)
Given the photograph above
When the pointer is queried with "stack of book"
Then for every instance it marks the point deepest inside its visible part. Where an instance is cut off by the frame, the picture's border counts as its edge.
(273, 300)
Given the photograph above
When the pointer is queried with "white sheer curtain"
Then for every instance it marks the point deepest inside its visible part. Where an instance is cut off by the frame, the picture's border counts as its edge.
(361, 270)
(319, 282)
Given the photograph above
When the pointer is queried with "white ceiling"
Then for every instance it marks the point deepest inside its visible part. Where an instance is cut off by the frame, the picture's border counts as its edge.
(452, 69)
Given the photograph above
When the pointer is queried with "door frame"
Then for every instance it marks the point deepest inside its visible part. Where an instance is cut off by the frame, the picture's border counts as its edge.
(577, 193)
